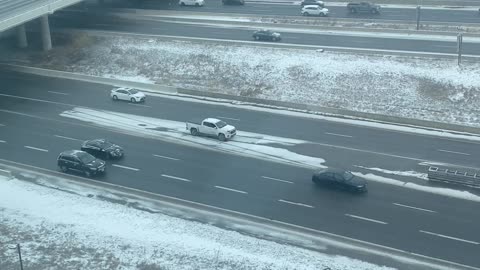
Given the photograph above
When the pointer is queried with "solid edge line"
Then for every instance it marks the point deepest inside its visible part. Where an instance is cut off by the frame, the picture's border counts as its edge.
(231, 189)
(367, 219)
(412, 207)
(125, 167)
(176, 178)
(450, 237)
(106, 185)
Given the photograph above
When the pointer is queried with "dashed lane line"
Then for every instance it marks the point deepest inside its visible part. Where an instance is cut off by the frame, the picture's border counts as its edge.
(165, 157)
(338, 135)
(35, 148)
(295, 203)
(229, 118)
(453, 152)
(412, 207)
(366, 219)
(450, 237)
(231, 189)
(58, 93)
(68, 138)
(276, 179)
(176, 178)
(125, 167)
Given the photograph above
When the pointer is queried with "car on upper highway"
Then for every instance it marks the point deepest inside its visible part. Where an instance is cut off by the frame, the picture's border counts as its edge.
(363, 7)
(312, 2)
(212, 127)
(266, 35)
(197, 3)
(128, 94)
(339, 179)
(80, 161)
(233, 2)
(103, 149)
(315, 11)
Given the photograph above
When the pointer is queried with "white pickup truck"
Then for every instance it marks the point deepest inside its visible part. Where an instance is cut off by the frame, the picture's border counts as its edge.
(213, 128)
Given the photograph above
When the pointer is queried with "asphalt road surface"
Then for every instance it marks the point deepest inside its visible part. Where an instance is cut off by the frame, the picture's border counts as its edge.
(33, 133)
(99, 22)
(294, 9)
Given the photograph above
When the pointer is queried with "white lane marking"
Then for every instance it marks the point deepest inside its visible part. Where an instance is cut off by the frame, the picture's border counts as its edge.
(234, 119)
(367, 219)
(176, 178)
(453, 152)
(417, 208)
(68, 138)
(140, 105)
(450, 237)
(35, 148)
(171, 158)
(340, 135)
(1, 141)
(58, 93)
(295, 203)
(231, 189)
(276, 179)
(125, 167)
(2, 125)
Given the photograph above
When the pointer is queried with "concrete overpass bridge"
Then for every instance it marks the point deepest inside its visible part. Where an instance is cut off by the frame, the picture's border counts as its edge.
(15, 13)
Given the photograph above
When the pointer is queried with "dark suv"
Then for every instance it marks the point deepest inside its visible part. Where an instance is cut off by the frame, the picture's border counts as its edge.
(103, 149)
(79, 161)
(340, 179)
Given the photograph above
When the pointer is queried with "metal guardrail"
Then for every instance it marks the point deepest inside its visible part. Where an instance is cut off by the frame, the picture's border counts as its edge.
(455, 175)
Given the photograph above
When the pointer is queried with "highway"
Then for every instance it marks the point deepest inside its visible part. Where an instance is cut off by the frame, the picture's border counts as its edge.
(33, 132)
(265, 9)
(93, 21)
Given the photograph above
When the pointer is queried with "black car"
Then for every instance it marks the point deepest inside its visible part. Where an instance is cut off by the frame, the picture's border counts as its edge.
(102, 148)
(233, 2)
(312, 2)
(340, 179)
(266, 35)
(79, 161)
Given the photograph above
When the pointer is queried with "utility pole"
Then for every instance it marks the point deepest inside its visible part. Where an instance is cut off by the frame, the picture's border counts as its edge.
(459, 48)
(20, 256)
(418, 17)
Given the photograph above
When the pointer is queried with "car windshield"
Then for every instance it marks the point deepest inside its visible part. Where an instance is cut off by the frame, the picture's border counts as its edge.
(221, 124)
(85, 158)
(106, 144)
(133, 91)
(347, 176)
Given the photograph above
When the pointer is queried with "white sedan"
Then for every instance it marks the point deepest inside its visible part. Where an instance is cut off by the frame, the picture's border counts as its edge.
(196, 3)
(127, 94)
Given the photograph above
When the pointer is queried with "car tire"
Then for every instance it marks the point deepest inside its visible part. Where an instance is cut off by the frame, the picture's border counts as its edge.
(88, 174)
(222, 137)
(256, 37)
(306, 14)
(194, 131)
(63, 169)
(133, 100)
(115, 98)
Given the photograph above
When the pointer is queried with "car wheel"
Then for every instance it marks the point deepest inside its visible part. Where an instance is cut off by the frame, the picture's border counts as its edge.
(221, 137)
(63, 168)
(194, 131)
(88, 174)
(306, 14)
(256, 37)
(115, 98)
(132, 100)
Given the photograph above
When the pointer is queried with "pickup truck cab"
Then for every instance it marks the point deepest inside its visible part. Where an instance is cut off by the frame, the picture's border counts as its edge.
(363, 7)
(212, 127)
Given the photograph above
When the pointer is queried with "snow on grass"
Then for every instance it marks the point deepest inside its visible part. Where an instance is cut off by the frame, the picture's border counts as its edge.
(409, 87)
(245, 143)
(465, 195)
(62, 230)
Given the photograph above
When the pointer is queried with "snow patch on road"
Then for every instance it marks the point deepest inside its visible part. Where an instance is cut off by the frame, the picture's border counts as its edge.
(465, 195)
(67, 231)
(415, 174)
(245, 143)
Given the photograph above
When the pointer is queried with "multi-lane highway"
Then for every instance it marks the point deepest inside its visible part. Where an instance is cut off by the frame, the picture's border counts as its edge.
(293, 9)
(33, 132)
(242, 33)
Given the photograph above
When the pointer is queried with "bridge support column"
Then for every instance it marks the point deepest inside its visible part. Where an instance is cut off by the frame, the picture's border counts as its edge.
(46, 38)
(21, 36)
